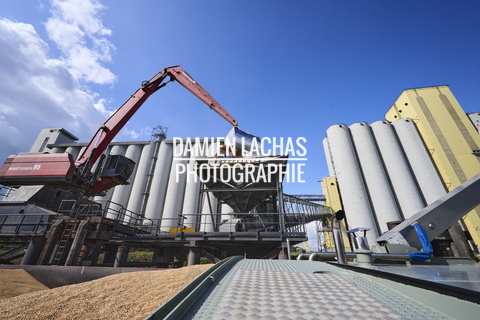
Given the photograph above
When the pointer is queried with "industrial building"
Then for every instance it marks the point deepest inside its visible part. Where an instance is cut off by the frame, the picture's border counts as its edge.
(384, 172)
(166, 206)
(380, 174)
(395, 186)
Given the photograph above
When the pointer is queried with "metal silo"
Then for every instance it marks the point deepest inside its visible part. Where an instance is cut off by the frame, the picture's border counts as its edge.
(156, 200)
(350, 181)
(422, 166)
(401, 177)
(374, 175)
(176, 189)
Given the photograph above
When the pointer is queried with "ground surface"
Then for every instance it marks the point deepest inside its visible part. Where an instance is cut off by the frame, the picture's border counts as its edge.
(132, 295)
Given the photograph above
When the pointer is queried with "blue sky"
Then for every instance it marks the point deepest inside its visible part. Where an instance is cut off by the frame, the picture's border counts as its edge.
(281, 68)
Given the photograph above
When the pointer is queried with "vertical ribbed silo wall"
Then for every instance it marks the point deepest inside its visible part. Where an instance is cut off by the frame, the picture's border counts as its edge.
(377, 185)
(113, 209)
(422, 166)
(402, 179)
(158, 190)
(140, 181)
(176, 188)
(121, 194)
(328, 157)
(190, 208)
(350, 181)
(209, 212)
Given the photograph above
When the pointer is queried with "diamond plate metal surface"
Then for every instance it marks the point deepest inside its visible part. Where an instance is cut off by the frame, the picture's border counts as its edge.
(286, 295)
(276, 289)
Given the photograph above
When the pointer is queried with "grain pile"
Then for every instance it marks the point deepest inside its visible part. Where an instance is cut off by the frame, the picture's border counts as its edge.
(132, 295)
(16, 282)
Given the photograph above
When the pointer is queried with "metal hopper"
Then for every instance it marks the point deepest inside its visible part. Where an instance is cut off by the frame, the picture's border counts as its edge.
(241, 177)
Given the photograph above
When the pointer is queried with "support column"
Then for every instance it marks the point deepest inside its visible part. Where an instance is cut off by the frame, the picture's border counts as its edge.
(109, 255)
(122, 256)
(193, 254)
(282, 255)
(34, 251)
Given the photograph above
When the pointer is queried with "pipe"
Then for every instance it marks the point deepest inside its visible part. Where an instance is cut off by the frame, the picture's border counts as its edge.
(338, 238)
(351, 255)
(303, 256)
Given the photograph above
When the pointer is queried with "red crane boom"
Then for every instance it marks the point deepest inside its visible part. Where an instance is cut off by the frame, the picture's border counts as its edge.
(59, 170)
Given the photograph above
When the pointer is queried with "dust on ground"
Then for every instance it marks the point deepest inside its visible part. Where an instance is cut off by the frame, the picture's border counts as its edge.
(131, 295)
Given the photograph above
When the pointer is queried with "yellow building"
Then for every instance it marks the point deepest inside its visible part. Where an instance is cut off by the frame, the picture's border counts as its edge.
(448, 134)
(332, 196)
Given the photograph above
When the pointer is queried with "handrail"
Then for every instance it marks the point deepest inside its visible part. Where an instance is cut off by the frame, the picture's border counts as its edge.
(34, 222)
(176, 306)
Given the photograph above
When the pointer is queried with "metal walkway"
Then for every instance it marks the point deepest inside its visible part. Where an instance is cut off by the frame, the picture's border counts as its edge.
(279, 289)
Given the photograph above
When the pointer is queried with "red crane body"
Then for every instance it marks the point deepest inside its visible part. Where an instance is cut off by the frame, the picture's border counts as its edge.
(60, 170)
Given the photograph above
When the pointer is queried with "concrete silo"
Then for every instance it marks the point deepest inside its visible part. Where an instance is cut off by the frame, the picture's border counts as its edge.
(401, 177)
(113, 208)
(156, 200)
(121, 194)
(175, 189)
(328, 156)
(191, 201)
(74, 151)
(352, 188)
(426, 175)
(377, 184)
(144, 172)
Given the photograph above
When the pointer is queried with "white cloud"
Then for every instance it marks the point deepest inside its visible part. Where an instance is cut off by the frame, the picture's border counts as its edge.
(41, 91)
(77, 30)
(130, 134)
(38, 91)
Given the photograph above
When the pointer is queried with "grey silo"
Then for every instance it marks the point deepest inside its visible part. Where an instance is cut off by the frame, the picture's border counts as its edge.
(420, 161)
(175, 190)
(401, 176)
(350, 181)
(158, 190)
(376, 180)
(139, 193)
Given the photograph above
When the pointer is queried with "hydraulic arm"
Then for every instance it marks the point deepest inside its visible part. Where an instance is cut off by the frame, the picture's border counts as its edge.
(60, 170)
